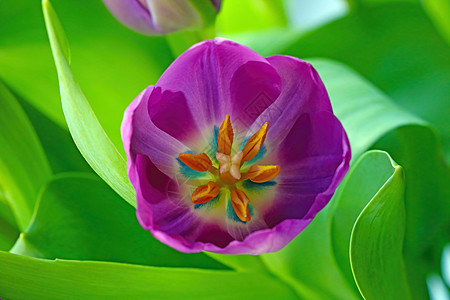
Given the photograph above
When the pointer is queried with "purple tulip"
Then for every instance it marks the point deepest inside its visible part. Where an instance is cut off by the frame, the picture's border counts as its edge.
(155, 17)
(231, 152)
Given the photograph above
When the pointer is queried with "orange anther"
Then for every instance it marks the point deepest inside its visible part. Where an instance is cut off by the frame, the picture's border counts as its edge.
(255, 143)
(225, 136)
(198, 162)
(205, 193)
(259, 174)
(239, 200)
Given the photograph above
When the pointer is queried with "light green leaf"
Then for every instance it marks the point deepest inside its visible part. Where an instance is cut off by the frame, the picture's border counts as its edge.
(377, 243)
(439, 12)
(88, 134)
(309, 262)
(79, 217)
(30, 278)
(238, 16)
(23, 165)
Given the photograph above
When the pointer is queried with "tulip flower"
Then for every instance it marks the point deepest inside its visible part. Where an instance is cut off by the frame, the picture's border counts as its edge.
(156, 17)
(233, 153)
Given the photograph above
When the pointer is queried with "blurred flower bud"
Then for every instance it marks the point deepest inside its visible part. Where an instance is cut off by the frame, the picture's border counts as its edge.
(156, 17)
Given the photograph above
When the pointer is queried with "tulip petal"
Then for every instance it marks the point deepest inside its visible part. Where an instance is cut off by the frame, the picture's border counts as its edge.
(314, 157)
(142, 136)
(302, 92)
(220, 77)
(154, 17)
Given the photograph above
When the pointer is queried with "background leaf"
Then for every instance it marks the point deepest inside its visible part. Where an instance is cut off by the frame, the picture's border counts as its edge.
(370, 117)
(30, 278)
(237, 16)
(23, 165)
(112, 63)
(377, 243)
(79, 217)
(392, 44)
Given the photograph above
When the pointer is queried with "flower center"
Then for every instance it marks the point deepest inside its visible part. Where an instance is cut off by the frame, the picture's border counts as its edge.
(229, 171)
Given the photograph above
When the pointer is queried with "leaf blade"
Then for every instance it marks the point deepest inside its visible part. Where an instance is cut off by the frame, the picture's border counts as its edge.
(88, 134)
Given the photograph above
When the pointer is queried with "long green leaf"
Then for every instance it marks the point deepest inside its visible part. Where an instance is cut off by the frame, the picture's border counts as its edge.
(88, 134)
(79, 217)
(23, 165)
(30, 278)
(377, 243)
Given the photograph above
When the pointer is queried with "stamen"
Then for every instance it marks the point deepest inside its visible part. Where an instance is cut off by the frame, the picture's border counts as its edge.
(198, 162)
(260, 174)
(225, 136)
(255, 143)
(205, 193)
(239, 200)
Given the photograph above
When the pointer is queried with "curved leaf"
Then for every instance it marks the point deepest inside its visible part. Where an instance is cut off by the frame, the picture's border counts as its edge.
(30, 278)
(377, 243)
(79, 217)
(23, 165)
(88, 134)
(309, 262)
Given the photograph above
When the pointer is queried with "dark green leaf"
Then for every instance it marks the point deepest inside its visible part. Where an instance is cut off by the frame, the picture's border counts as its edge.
(23, 165)
(79, 217)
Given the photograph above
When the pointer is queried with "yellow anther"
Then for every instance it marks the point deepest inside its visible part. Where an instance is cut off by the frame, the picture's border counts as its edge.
(198, 162)
(225, 136)
(205, 193)
(255, 143)
(259, 174)
(239, 200)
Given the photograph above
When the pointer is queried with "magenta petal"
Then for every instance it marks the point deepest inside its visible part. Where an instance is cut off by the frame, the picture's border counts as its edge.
(155, 17)
(314, 157)
(142, 136)
(220, 77)
(302, 92)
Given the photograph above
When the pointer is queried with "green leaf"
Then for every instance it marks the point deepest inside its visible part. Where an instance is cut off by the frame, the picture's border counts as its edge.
(79, 217)
(62, 153)
(309, 262)
(23, 165)
(112, 63)
(31, 278)
(377, 243)
(88, 134)
(8, 227)
(238, 16)
(439, 12)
